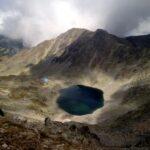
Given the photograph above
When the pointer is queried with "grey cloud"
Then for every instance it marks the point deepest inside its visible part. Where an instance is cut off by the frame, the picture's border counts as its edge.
(37, 20)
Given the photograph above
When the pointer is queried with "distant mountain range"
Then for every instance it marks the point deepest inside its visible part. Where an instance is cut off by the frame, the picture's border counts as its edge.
(9, 47)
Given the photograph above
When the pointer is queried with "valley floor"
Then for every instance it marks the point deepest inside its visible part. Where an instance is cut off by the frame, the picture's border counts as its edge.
(123, 122)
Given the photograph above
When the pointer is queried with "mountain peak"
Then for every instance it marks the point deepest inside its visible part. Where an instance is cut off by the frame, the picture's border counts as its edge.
(74, 32)
(101, 31)
(76, 29)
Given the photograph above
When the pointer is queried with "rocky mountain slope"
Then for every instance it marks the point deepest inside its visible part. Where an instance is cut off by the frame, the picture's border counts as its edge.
(31, 81)
(18, 133)
(78, 56)
(97, 50)
(100, 51)
(28, 58)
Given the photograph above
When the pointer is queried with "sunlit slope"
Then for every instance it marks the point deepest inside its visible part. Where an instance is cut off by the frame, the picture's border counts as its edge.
(23, 61)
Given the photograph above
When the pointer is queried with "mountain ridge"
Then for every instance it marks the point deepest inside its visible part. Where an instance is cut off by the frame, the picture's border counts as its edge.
(81, 47)
(99, 49)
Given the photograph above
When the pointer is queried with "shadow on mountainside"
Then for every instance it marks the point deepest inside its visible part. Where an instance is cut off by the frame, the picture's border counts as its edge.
(118, 57)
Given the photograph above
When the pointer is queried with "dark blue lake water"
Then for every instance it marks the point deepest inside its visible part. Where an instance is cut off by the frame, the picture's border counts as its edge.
(80, 100)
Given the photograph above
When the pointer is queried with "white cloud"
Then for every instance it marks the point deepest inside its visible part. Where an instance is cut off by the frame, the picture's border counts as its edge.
(143, 28)
(37, 20)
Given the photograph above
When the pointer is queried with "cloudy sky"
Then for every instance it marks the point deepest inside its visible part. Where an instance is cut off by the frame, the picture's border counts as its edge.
(37, 20)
